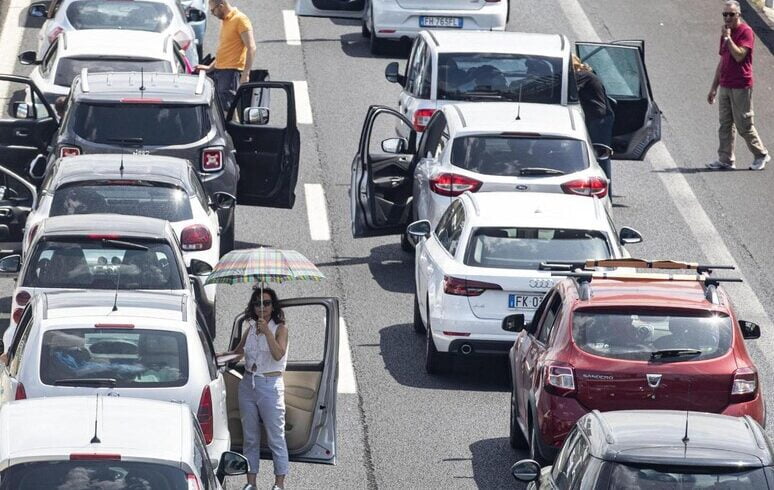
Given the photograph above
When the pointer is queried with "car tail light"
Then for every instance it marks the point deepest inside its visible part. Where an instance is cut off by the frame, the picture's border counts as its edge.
(114, 325)
(204, 415)
(21, 393)
(591, 186)
(464, 287)
(453, 185)
(745, 385)
(17, 313)
(182, 39)
(193, 482)
(55, 32)
(560, 379)
(22, 298)
(212, 159)
(69, 151)
(94, 457)
(196, 237)
(421, 118)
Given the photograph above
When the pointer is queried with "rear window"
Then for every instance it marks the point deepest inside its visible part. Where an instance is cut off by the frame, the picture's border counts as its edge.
(154, 200)
(678, 478)
(128, 358)
(652, 337)
(511, 156)
(154, 124)
(77, 475)
(119, 14)
(466, 76)
(68, 68)
(526, 248)
(102, 264)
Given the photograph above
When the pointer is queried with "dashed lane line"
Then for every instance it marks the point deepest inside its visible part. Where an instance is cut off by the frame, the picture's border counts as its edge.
(292, 31)
(303, 105)
(317, 212)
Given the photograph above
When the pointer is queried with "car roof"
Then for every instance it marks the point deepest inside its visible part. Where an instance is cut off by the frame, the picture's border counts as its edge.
(104, 224)
(176, 88)
(84, 306)
(115, 42)
(536, 210)
(657, 436)
(498, 117)
(149, 168)
(643, 292)
(469, 41)
(134, 428)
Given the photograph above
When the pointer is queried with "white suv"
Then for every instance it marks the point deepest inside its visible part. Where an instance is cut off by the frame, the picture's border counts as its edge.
(483, 262)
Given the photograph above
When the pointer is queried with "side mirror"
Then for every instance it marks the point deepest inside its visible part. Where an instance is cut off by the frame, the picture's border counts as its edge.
(526, 470)
(257, 116)
(194, 15)
(602, 152)
(38, 10)
(395, 146)
(514, 323)
(199, 267)
(627, 236)
(418, 230)
(28, 58)
(37, 167)
(750, 330)
(232, 464)
(10, 264)
(222, 200)
(22, 110)
(392, 74)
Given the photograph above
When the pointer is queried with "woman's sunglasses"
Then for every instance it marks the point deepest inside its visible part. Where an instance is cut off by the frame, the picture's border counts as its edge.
(264, 303)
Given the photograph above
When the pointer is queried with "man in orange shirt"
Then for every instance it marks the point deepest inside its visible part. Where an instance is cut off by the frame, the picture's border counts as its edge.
(236, 52)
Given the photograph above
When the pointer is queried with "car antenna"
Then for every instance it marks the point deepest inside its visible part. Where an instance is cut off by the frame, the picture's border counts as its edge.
(518, 104)
(118, 284)
(95, 439)
(142, 81)
(687, 411)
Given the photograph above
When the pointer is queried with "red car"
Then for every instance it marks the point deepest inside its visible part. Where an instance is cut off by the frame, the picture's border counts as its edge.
(628, 341)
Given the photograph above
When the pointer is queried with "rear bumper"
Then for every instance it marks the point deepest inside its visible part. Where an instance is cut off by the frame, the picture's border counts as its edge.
(755, 408)
(481, 347)
(393, 22)
(484, 337)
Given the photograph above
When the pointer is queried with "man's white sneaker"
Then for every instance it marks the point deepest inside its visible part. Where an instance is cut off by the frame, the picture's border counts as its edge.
(718, 165)
(760, 163)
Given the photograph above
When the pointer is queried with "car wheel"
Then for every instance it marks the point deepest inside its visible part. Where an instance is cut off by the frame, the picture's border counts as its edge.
(377, 45)
(227, 239)
(534, 444)
(419, 326)
(517, 439)
(364, 30)
(435, 362)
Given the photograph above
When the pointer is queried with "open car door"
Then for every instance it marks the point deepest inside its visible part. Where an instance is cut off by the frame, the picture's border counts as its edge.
(381, 189)
(267, 143)
(351, 9)
(17, 198)
(27, 123)
(310, 379)
(621, 66)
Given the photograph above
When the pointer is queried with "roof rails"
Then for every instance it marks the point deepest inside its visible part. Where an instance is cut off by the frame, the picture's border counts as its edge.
(200, 83)
(85, 79)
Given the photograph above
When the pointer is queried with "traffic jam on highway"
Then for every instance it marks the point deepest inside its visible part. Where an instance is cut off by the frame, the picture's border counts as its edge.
(124, 159)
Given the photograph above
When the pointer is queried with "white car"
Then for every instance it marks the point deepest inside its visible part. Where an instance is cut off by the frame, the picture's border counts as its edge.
(483, 262)
(128, 344)
(403, 19)
(80, 442)
(102, 50)
(167, 17)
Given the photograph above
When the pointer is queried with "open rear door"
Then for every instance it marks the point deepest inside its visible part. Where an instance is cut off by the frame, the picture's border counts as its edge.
(381, 188)
(621, 66)
(17, 198)
(267, 143)
(351, 9)
(310, 381)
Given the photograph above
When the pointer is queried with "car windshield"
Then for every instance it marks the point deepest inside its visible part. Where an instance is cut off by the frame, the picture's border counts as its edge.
(470, 76)
(679, 478)
(102, 262)
(98, 474)
(136, 198)
(119, 14)
(114, 357)
(648, 336)
(68, 68)
(512, 156)
(154, 124)
(526, 248)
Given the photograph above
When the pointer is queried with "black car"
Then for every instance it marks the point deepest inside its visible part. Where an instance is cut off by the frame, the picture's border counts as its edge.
(252, 152)
(657, 449)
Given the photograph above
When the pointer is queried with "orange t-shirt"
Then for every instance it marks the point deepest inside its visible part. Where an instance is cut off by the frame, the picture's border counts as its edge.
(232, 52)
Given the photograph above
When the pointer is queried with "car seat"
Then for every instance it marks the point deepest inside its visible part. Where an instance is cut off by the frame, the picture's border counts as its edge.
(159, 351)
(67, 268)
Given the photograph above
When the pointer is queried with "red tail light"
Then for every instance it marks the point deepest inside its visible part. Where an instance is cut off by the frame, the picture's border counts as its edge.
(464, 287)
(204, 415)
(193, 482)
(560, 379)
(212, 159)
(422, 117)
(745, 385)
(196, 237)
(69, 151)
(21, 394)
(453, 185)
(94, 457)
(22, 298)
(54, 34)
(17, 313)
(591, 186)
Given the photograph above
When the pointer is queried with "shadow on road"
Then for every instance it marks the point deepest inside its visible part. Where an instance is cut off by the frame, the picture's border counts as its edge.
(353, 44)
(391, 267)
(239, 244)
(492, 460)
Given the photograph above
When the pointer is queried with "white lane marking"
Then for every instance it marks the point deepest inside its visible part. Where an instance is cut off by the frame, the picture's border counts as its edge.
(316, 212)
(303, 106)
(292, 31)
(347, 382)
(11, 35)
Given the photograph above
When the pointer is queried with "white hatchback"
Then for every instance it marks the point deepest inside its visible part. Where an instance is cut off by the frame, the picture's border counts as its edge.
(483, 262)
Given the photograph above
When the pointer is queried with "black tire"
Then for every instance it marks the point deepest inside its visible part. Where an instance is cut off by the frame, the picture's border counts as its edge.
(364, 30)
(516, 438)
(377, 45)
(227, 239)
(534, 444)
(435, 362)
(419, 326)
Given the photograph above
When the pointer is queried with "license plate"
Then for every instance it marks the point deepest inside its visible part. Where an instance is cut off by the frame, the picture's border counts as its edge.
(453, 22)
(524, 301)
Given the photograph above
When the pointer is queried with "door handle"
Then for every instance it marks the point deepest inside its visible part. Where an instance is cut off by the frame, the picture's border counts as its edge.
(22, 133)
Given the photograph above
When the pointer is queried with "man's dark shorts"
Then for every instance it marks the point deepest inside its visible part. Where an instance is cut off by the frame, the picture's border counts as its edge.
(226, 85)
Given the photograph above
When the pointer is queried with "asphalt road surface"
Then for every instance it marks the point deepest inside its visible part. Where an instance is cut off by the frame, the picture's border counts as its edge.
(397, 426)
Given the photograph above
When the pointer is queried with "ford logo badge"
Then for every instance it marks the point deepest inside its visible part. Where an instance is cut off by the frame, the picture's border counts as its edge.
(522, 187)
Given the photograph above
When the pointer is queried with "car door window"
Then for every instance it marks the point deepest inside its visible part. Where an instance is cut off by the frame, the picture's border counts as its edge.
(573, 463)
(539, 313)
(20, 342)
(619, 67)
(198, 190)
(558, 469)
(48, 58)
(455, 229)
(425, 77)
(412, 82)
(431, 138)
(550, 319)
(209, 351)
(202, 461)
(442, 230)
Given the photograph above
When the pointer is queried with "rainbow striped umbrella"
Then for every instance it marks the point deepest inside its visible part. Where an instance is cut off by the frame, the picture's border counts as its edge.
(262, 265)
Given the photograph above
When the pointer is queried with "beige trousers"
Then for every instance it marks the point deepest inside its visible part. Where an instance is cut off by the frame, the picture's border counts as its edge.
(736, 115)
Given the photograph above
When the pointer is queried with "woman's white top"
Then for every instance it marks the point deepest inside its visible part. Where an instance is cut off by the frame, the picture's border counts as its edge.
(258, 358)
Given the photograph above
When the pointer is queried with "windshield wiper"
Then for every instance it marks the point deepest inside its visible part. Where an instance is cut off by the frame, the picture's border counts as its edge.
(661, 354)
(539, 171)
(97, 382)
(122, 244)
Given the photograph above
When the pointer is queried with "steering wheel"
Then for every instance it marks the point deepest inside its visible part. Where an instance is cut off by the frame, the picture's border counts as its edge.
(644, 333)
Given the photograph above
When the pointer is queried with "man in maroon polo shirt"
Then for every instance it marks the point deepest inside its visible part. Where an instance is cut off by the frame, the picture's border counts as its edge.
(734, 76)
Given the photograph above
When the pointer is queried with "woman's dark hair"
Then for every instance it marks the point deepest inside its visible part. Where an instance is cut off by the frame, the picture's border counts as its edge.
(276, 312)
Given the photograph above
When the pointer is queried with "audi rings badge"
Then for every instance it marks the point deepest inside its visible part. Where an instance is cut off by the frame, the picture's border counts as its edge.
(541, 283)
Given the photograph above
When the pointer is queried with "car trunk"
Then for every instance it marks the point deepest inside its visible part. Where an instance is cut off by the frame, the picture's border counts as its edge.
(445, 5)
(522, 291)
